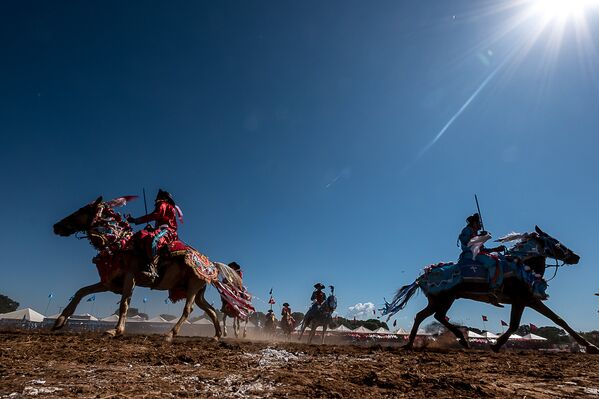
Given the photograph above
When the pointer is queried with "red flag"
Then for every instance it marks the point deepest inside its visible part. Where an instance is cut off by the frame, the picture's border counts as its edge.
(533, 327)
(503, 323)
(271, 301)
(484, 318)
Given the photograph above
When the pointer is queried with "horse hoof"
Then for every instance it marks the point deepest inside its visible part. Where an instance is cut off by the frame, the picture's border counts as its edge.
(110, 333)
(592, 349)
(60, 322)
(168, 338)
(216, 338)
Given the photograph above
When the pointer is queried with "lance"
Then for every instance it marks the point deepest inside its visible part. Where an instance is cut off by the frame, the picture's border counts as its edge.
(146, 204)
(480, 216)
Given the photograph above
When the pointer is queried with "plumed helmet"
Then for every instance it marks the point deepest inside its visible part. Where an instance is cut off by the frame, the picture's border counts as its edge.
(234, 266)
(473, 218)
(165, 196)
(319, 286)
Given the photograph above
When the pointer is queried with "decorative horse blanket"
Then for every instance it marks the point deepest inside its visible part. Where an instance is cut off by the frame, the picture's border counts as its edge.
(445, 276)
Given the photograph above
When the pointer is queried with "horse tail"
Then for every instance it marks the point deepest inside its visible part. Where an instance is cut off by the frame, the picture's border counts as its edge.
(400, 300)
(229, 274)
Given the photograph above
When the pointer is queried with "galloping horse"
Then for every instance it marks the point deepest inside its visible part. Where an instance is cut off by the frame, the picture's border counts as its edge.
(321, 316)
(287, 324)
(228, 312)
(270, 324)
(101, 225)
(531, 251)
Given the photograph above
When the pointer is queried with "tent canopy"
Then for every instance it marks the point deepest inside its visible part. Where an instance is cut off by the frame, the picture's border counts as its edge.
(472, 334)
(362, 330)
(534, 337)
(23, 314)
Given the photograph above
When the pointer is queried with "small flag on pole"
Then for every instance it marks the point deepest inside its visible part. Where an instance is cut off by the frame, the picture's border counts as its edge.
(91, 298)
(503, 323)
(271, 301)
(270, 292)
(533, 327)
(484, 318)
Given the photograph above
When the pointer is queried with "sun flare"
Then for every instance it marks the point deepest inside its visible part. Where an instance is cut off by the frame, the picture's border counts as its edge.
(561, 9)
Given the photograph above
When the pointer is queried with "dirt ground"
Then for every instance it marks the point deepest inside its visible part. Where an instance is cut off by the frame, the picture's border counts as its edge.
(89, 365)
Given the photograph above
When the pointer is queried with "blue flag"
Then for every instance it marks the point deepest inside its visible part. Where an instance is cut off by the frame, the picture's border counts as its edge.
(91, 298)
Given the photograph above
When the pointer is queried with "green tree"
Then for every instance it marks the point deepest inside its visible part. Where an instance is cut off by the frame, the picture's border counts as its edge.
(7, 304)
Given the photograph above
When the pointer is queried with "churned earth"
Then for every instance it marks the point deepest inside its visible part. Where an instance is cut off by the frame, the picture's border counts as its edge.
(89, 365)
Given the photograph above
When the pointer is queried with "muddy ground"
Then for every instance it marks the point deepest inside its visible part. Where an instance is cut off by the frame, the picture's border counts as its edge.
(89, 365)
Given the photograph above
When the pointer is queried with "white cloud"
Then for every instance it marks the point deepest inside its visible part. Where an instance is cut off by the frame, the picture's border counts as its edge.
(361, 311)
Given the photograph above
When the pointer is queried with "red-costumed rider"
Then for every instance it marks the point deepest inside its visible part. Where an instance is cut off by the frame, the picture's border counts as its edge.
(149, 240)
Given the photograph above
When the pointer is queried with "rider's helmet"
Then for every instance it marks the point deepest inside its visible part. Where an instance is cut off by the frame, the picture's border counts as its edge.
(473, 218)
(164, 196)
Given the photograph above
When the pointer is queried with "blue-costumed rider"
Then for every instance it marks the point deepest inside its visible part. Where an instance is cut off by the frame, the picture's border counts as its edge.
(485, 256)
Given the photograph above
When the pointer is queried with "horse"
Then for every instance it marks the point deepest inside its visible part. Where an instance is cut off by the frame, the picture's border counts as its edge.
(107, 232)
(236, 325)
(319, 316)
(531, 252)
(270, 324)
(287, 324)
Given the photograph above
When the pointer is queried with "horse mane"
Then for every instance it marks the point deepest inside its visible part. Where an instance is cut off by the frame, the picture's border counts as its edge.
(513, 236)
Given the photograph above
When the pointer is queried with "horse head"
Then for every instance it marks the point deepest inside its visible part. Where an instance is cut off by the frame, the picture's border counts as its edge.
(552, 248)
(80, 220)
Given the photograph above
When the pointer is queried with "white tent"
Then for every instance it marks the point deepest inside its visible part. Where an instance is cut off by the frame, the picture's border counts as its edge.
(472, 334)
(176, 319)
(382, 330)
(157, 319)
(534, 337)
(203, 320)
(112, 317)
(401, 331)
(85, 316)
(515, 337)
(362, 330)
(341, 329)
(23, 314)
(489, 335)
(136, 318)
(424, 333)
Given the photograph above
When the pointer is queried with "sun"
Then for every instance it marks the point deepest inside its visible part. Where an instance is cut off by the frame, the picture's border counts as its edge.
(561, 9)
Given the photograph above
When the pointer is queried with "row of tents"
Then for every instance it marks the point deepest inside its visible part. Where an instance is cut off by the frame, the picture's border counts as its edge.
(31, 315)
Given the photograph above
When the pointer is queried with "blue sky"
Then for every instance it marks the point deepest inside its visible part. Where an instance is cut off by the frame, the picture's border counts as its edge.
(292, 134)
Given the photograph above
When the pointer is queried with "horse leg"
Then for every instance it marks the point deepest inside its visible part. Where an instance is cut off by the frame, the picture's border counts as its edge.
(128, 285)
(193, 287)
(545, 311)
(324, 332)
(304, 325)
(79, 295)
(515, 316)
(312, 333)
(441, 317)
(420, 316)
(236, 326)
(224, 325)
(206, 307)
(245, 326)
